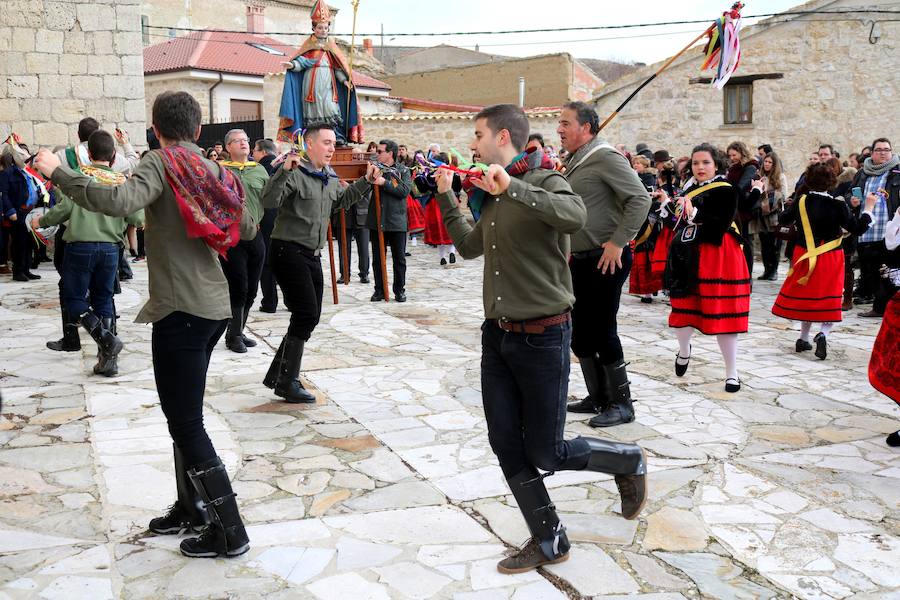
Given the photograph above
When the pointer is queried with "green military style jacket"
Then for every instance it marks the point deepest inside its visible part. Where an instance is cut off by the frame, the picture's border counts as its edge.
(254, 177)
(524, 237)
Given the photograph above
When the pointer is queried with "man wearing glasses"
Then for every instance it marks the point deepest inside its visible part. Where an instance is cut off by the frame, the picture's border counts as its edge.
(397, 185)
(879, 176)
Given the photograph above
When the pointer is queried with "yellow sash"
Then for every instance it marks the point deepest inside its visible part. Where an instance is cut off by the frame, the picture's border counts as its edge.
(644, 236)
(697, 191)
(238, 165)
(102, 176)
(812, 252)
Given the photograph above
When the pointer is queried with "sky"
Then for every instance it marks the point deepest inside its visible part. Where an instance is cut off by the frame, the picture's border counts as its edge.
(648, 44)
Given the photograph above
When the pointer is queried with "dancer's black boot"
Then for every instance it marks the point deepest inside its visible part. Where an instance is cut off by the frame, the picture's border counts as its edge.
(287, 384)
(628, 463)
(188, 513)
(248, 342)
(548, 544)
(107, 342)
(70, 341)
(272, 374)
(107, 364)
(619, 409)
(225, 534)
(597, 396)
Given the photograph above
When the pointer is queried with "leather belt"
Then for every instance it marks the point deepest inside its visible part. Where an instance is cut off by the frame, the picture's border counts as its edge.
(588, 253)
(535, 325)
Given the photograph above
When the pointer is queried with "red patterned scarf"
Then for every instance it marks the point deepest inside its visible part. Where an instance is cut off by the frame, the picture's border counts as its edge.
(524, 162)
(211, 207)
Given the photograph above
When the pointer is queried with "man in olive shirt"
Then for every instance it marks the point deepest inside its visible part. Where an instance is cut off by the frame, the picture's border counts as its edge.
(306, 191)
(92, 255)
(243, 265)
(617, 204)
(398, 183)
(527, 215)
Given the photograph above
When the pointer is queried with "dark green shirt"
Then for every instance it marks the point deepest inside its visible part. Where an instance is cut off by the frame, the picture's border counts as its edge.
(524, 237)
(253, 178)
(305, 203)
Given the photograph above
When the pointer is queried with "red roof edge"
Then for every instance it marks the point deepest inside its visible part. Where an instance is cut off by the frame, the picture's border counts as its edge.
(431, 106)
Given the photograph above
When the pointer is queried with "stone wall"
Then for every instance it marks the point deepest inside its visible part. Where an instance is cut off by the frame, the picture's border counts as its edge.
(196, 88)
(63, 60)
(829, 93)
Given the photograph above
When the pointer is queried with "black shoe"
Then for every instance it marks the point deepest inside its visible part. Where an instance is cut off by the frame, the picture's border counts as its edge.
(287, 384)
(802, 346)
(893, 440)
(646, 300)
(732, 385)
(248, 342)
(618, 409)
(548, 534)
(267, 309)
(400, 297)
(407, 254)
(20, 277)
(107, 364)
(872, 314)
(363, 279)
(452, 258)
(233, 339)
(863, 299)
(225, 535)
(681, 368)
(70, 341)
(628, 463)
(31, 275)
(821, 346)
(773, 276)
(597, 396)
(377, 297)
(443, 262)
(188, 513)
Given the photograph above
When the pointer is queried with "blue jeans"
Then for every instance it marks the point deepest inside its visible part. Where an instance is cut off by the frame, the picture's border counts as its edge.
(89, 269)
(524, 388)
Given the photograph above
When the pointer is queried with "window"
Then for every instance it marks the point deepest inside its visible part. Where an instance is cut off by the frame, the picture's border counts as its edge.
(738, 103)
(145, 29)
(265, 48)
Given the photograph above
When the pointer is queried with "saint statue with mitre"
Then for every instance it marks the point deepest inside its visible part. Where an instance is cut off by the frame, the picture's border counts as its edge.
(317, 86)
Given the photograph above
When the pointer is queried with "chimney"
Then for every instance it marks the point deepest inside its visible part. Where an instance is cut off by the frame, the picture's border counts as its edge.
(256, 19)
(369, 48)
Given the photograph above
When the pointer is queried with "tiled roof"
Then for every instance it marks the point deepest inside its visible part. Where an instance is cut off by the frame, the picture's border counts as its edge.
(536, 113)
(228, 52)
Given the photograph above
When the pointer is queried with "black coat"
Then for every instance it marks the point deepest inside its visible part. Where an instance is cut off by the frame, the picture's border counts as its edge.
(827, 217)
(716, 210)
(14, 191)
(398, 184)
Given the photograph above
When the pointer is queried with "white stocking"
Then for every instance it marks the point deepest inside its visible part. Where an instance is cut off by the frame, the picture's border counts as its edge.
(826, 328)
(684, 341)
(728, 344)
(805, 326)
(442, 251)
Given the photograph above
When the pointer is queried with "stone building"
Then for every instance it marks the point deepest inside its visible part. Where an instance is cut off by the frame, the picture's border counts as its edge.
(66, 59)
(802, 81)
(442, 56)
(550, 80)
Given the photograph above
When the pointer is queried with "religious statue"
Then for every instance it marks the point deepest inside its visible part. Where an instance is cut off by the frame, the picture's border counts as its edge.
(318, 88)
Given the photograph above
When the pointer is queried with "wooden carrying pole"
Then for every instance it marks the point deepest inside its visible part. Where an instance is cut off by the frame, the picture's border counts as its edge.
(654, 76)
(345, 255)
(334, 292)
(355, 4)
(382, 254)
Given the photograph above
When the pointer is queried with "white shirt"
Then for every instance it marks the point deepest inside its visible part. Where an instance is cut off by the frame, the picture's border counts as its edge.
(892, 232)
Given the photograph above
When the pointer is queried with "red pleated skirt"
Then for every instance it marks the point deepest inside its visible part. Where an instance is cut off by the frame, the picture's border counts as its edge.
(435, 232)
(884, 366)
(820, 299)
(642, 279)
(415, 216)
(661, 251)
(721, 303)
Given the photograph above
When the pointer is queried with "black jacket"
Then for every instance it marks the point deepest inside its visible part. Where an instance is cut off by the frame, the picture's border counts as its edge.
(891, 185)
(827, 217)
(398, 183)
(716, 210)
(14, 191)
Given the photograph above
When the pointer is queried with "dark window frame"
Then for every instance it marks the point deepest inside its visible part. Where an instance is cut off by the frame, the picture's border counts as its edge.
(736, 89)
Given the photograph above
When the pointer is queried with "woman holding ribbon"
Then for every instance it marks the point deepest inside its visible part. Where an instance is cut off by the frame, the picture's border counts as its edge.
(813, 290)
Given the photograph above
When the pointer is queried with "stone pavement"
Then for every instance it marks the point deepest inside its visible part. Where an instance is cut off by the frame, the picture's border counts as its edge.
(388, 488)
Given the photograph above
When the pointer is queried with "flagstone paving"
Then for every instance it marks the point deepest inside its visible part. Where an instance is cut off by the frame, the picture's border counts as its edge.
(387, 488)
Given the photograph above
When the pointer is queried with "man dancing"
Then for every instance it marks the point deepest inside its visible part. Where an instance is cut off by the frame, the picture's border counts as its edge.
(528, 212)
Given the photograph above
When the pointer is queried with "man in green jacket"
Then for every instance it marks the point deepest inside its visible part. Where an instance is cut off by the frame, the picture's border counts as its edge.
(244, 263)
(92, 255)
(528, 212)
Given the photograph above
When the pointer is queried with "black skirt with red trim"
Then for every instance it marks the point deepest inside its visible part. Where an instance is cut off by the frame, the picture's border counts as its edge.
(415, 216)
(435, 232)
(820, 299)
(721, 301)
(883, 372)
(661, 251)
(642, 279)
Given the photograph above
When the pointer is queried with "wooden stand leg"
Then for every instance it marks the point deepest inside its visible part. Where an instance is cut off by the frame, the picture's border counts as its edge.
(334, 291)
(382, 251)
(345, 259)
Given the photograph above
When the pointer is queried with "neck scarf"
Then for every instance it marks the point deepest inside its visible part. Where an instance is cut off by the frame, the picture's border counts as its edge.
(521, 164)
(873, 170)
(324, 175)
(240, 166)
(210, 207)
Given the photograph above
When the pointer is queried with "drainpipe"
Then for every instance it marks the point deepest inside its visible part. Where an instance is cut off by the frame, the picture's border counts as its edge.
(211, 90)
(521, 92)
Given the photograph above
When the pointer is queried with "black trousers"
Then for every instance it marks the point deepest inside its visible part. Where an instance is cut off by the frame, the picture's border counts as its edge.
(267, 279)
(871, 257)
(298, 270)
(242, 270)
(22, 247)
(748, 247)
(182, 345)
(361, 235)
(597, 296)
(396, 241)
(59, 253)
(769, 250)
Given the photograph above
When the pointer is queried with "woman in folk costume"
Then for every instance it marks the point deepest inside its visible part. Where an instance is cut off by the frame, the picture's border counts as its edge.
(814, 288)
(883, 372)
(707, 275)
(435, 232)
(195, 213)
(667, 188)
(642, 280)
(317, 87)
